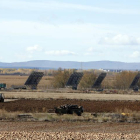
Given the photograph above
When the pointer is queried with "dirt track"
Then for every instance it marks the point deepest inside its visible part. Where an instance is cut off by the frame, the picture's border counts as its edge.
(31, 105)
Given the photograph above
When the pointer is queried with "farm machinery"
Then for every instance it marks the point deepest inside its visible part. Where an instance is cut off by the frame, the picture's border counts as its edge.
(1, 97)
(2, 85)
(69, 109)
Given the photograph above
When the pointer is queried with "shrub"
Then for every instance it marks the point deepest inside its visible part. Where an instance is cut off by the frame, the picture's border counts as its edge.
(88, 80)
(60, 78)
(124, 79)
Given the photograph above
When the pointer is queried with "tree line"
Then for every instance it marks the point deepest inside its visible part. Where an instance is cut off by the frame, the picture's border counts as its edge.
(113, 80)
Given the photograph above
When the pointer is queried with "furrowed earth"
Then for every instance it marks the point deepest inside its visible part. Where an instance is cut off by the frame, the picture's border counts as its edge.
(34, 105)
(68, 131)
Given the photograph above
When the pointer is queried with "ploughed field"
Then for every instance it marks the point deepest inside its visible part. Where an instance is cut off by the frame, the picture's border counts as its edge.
(87, 127)
(32, 105)
(68, 131)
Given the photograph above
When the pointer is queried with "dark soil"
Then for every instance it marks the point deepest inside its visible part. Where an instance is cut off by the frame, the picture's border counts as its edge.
(30, 105)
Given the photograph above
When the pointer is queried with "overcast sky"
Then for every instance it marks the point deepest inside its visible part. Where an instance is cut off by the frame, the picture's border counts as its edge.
(75, 30)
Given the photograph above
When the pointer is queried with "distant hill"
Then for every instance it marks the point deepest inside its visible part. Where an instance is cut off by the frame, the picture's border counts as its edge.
(47, 64)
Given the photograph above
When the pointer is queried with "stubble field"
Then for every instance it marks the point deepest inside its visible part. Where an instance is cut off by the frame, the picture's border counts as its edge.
(20, 80)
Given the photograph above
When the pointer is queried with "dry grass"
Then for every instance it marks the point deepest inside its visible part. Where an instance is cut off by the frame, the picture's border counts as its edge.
(8, 115)
(129, 113)
(44, 93)
(61, 118)
(125, 110)
(84, 96)
(20, 80)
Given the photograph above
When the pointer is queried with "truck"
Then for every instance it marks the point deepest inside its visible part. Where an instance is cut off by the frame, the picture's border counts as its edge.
(2, 85)
(69, 109)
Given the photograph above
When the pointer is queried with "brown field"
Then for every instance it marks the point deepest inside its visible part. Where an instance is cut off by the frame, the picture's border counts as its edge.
(50, 94)
(48, 99)
(87, 127)
(20, 80)
(68, 131)
(43, 100)
(31, 105)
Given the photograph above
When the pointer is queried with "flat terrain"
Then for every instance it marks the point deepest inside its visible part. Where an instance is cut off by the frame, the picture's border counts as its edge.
(46, 94)
(68, 131)
(20, 80)
(70, 127)
(31, 105)
(44, 100)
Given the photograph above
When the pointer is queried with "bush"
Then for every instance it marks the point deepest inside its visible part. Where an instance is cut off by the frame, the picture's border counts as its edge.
(124, 79)
(60, 78)
(88, 80)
